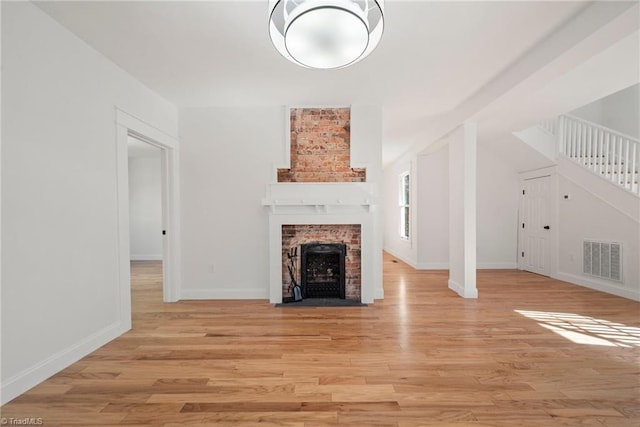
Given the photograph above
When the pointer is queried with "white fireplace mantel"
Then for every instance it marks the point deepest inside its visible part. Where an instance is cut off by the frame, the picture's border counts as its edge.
(298, 203)
(320, 196)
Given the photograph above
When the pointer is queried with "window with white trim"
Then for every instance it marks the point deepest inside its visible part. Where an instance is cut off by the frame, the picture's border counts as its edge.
(405, 207)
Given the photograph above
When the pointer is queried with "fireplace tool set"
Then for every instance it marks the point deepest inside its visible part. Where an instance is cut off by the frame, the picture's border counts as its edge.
(292, 256)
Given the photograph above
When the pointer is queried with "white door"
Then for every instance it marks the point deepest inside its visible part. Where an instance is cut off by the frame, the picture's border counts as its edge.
(535, 225)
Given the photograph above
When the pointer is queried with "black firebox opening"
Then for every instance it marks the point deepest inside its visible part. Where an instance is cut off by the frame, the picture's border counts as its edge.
(322, 270)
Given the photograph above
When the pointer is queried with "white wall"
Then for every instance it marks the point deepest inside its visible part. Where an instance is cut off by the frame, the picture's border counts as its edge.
(497, 211)
(59, 202)
(497, 215)
(622, 111)
(585, 216)
(591, 112)
(619, 111)
(433, 210)
(227, 159)
(145, 208)
(406, 250)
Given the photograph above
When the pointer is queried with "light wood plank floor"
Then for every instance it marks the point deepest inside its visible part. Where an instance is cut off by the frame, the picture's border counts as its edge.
(530, 352)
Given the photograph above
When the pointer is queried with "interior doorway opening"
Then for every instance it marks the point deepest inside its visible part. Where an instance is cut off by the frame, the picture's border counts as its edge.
(129, 126)
(146, 221)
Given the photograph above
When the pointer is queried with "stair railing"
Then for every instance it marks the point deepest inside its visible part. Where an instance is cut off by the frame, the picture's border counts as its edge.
(550, 125)
(610, 154)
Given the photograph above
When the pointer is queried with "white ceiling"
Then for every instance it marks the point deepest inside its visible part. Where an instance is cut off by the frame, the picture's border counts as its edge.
(432, 58)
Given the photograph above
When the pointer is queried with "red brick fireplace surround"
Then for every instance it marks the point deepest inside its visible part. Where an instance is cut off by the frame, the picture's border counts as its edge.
(295, 235)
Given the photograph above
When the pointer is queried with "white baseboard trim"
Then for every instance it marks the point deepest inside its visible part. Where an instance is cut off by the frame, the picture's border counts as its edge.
(497, 265)
(34, 375)
(599, 285)
(456, 287)
(460, 290)
(401, 258)
(432, 266)
(143, 257)
(252, 293)
(479, 266)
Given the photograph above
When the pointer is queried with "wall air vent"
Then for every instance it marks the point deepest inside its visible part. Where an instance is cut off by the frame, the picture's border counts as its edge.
(602, 259)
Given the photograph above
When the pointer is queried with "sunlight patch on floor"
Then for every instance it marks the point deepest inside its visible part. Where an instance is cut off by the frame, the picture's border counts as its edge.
(403, 313)
(586, 330)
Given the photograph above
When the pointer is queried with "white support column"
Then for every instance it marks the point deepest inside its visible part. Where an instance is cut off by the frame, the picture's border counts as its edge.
(462, 210)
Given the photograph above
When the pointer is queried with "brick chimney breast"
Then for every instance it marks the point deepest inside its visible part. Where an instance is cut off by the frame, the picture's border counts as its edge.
(321, 147)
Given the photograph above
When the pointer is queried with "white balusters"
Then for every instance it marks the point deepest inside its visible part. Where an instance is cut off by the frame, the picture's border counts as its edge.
(625, 166)
(550, 125)
(608, 153)
(635, 165)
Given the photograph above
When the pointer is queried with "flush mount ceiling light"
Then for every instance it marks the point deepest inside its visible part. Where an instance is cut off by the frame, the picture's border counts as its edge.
(325, 34)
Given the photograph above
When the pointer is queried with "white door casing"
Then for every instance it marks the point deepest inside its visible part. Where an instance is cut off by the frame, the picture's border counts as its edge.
(128, 125)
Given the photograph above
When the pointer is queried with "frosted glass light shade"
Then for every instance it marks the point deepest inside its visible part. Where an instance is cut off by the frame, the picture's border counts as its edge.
(325, 34)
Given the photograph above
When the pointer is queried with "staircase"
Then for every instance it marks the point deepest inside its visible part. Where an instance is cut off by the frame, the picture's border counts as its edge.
(605, 152)
(597, 208)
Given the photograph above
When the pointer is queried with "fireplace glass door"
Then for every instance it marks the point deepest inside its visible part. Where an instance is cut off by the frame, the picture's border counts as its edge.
(323, 270)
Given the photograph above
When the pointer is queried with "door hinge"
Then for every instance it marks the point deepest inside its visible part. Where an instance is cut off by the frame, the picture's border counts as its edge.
(523, 253)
